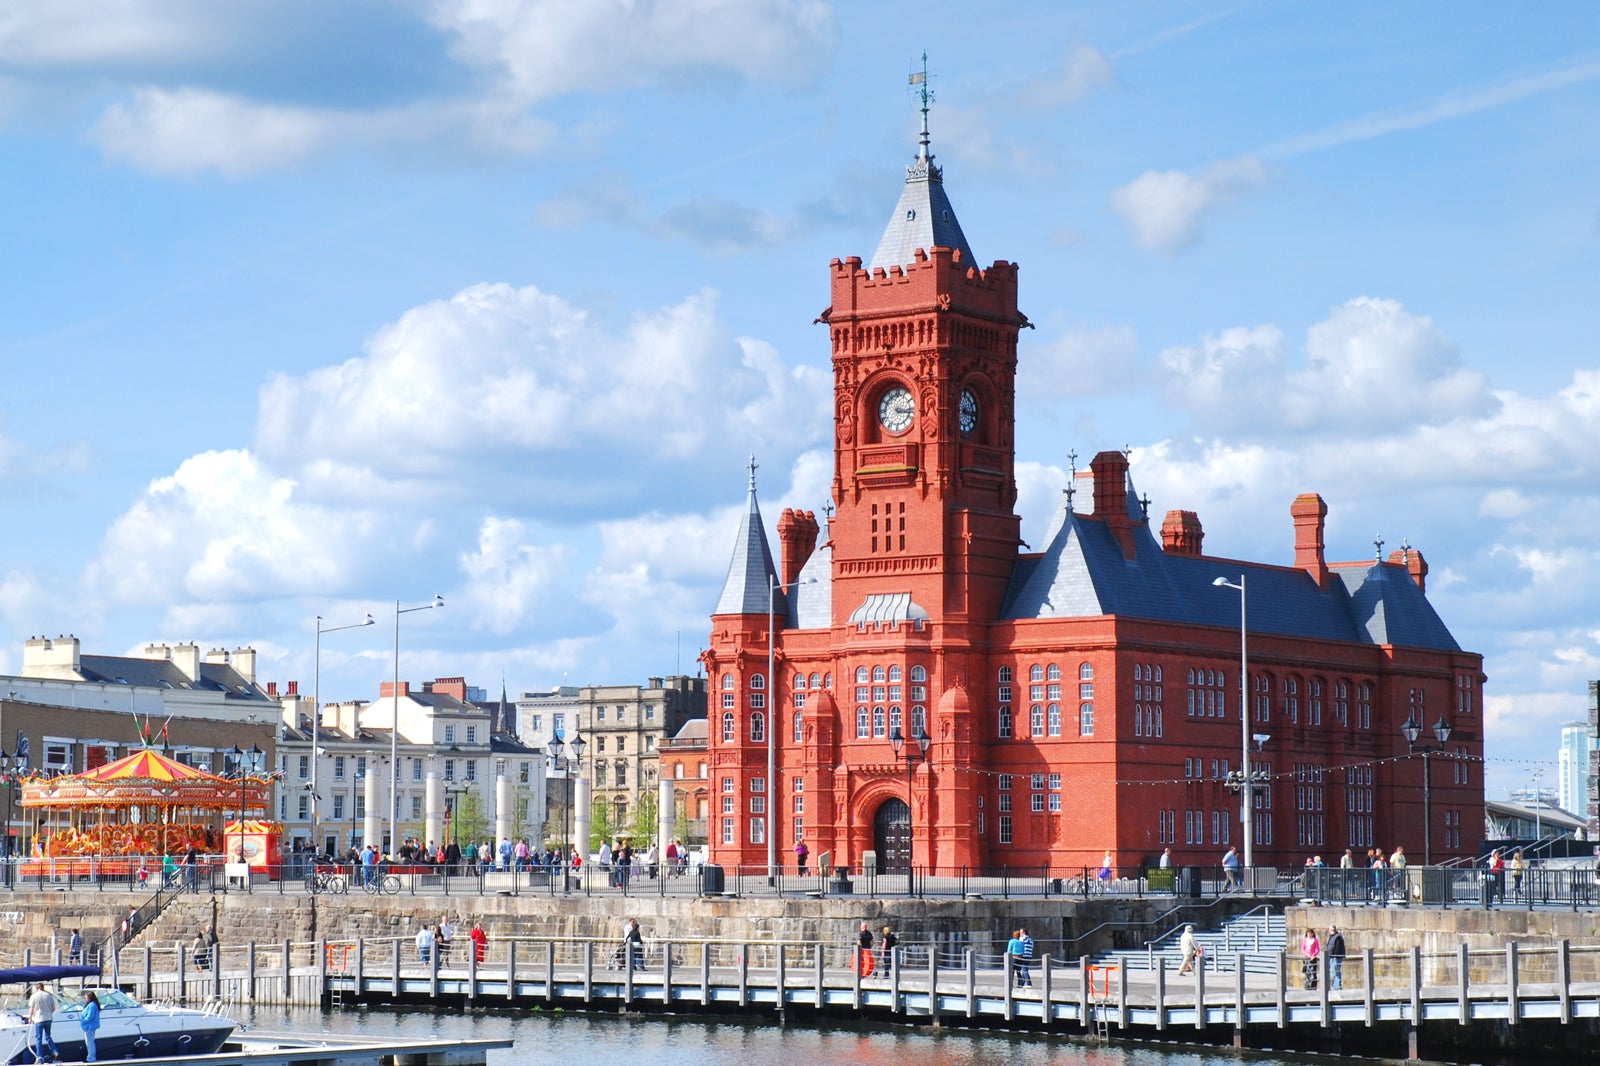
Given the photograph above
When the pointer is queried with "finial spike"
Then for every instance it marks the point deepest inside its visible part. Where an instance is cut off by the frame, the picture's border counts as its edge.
(1377, 544)
(752, 472)
(920, 77)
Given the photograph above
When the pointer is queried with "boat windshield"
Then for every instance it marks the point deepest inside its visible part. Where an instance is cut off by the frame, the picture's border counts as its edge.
(69, 1001)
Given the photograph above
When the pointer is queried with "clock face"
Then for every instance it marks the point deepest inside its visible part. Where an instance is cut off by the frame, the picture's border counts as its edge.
(896, 409)
(969, 411)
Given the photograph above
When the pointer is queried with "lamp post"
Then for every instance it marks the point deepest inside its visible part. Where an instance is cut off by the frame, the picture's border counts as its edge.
(1412, 730)
(1246, 780)
(453, 793)
(10, 769)
(394, 731)
(896, 740)
(556, 748)
(316, 715)
(773, 588)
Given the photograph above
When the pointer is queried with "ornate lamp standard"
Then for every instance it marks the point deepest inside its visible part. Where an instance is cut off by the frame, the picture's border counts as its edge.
(11, 767)
(578, 746)
(896, 740)
(1412, 730)
(554, 755)
(394, 732)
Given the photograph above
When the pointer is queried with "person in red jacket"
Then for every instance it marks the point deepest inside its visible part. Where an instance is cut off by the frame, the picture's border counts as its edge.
(480, 941)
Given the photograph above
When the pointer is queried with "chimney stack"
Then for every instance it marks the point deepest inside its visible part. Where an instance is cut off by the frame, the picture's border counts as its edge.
(797, 537)
(1181, 533)
(1110, 471)
(1308, 512)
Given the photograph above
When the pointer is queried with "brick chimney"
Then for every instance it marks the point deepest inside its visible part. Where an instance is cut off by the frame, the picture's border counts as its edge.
(1308, 512)
(1414, 564)
(797, 536)
(451, 686)
(1110, 471)
(1181, 533)
(386, 689)
(294, 688)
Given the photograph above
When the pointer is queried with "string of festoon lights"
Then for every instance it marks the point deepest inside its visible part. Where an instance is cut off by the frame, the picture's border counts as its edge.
(1286, 775)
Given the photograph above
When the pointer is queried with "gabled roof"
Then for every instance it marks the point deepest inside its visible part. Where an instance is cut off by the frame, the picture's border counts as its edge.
(750, 571)
(164, 673)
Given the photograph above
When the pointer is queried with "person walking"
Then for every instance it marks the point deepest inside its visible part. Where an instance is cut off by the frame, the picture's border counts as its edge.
(191, 868)
(41, 1012)
(1019, 968)
(424, 943)
(1192, 955)
(201, 954)
(89, 1022)
(887, 944)
(1230, 869)
(1497, 878)
(801, 854)
(1310, 949)
(480, 942)
(633, 945)
(1517, 869)
(864, 965)
(1105, 872)
(75, 947)
(1027, 954)
(1334, 949)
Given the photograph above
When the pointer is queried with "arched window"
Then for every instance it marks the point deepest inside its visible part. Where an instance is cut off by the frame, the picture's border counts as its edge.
(1086, 672)
(799, 680)
(798, 723)
(1314, 701)
(862, 675)
(1086, 719)
(894, 673)
(727, 727)
(816, 680)
(1263, 687)
(918, 674)
(727, 682)
(1005, 675)
(878, 673)
(1036, 719)
(919, 721)
(1035, 672)
(758, 681)
(1053, 672)
(1291, 699)
(879, 729)
(827, 681)
(895, 722)
(758, 728)
(1054, 713)
(863, 723)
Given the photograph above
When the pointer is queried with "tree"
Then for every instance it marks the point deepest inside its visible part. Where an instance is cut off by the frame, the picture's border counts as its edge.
(600, 828)
(645, 819)
(469, 822)
(680, 822)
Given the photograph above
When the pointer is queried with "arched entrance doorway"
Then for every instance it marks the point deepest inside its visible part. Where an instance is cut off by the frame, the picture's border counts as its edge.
(891, 836)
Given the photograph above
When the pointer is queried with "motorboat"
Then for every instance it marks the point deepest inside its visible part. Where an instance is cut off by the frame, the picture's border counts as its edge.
(128, 1029)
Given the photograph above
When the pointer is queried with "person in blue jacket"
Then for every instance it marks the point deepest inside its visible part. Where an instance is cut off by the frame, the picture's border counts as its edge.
(89, 1022)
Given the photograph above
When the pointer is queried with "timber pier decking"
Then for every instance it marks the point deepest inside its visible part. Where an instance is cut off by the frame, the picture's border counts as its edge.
(1393, 998)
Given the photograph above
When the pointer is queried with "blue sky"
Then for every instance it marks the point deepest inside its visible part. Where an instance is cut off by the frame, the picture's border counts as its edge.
(314, 307)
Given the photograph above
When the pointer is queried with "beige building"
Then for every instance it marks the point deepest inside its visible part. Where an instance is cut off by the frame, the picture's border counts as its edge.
(623, 727)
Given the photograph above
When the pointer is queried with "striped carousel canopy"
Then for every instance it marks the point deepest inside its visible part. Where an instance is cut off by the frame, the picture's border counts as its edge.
(146, 765)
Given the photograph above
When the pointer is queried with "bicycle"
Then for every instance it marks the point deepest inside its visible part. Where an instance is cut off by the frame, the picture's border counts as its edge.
(319, 882)
(384, 885)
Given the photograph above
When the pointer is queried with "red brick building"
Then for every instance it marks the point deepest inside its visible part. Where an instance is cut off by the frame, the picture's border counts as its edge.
(1079, 699)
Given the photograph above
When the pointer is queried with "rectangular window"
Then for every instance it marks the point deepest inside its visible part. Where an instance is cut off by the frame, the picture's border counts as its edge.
(1038, 802)
(758, 830)
(472, 734)
(730, 804)
(758, 784)
(338, 767)
(1036, 781)
(1005, 722)
(758, 700)
(472, 770)
(1055, 782)
(416, 806)
(727, 831)
(536, 722)
(449, 769)
(799, 829)
(361, 767)
(449, 734)
(305, 807)
(338, 807)
(1005, 829)
(599, 714)
(416, 769)
(558, 724)
(361, 805)
(1005, 801)
(524, 772)
(758, 805)
(305, 767)
(727, 784)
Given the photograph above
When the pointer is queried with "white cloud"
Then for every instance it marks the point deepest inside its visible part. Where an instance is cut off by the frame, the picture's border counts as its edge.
(223, 528)
(185, 131)
(509, 579)
(1370, 366)
(81, 33)
(546, 48)
(1081, 360)
(1166, 209)
(524, 396)
(1082, 70)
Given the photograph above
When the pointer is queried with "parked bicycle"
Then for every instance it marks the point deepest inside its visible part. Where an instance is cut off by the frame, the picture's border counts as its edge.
(382, 885)
(321, 881)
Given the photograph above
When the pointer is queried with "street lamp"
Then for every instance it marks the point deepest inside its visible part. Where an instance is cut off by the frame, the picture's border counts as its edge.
(556, 748)
(896, 739)
(1246, 781)
(10, 770)
(453, 793)
(394, 731)
(1412, 730)
(316, 715)
(773, 588)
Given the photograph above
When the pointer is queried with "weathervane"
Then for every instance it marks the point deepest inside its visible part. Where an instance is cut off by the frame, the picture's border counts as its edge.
(920, 77)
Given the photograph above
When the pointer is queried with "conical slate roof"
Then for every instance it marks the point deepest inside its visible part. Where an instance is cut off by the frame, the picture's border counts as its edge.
(750, 572)
(923, 218)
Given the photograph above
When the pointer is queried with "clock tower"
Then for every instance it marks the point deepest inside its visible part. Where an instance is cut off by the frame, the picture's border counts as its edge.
(924, 349)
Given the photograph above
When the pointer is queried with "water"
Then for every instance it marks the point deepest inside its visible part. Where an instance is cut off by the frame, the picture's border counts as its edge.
(574, 1039)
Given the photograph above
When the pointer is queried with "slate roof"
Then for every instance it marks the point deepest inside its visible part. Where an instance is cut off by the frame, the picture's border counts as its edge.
(922, 219)
(163, 673)
(1082, 573)
(811, 599)
(750, 571)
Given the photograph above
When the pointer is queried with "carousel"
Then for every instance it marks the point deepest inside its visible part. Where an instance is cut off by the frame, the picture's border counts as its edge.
(125, 816)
